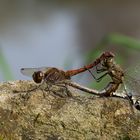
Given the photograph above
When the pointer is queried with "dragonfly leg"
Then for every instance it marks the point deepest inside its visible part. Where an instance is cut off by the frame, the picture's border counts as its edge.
(67, 91)
(64, 85)
(101, 77)
(26, 96)
(92, 74)
(47, 89)
(51, 91)
(96, 79)
(100, 70)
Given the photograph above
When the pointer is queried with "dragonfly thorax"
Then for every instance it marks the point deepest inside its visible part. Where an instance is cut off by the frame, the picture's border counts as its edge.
(54, 75)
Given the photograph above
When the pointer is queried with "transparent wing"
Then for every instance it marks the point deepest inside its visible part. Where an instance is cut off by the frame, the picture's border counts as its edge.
(29, 71)
(132, 85)
(132, 80)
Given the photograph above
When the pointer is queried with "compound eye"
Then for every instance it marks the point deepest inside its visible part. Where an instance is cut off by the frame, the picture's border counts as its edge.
(38, 76)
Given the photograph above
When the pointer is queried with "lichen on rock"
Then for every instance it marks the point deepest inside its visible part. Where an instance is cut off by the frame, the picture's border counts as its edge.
(53, 115)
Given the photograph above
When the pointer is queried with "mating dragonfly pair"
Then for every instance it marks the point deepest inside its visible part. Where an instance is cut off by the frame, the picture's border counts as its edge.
(108, 66)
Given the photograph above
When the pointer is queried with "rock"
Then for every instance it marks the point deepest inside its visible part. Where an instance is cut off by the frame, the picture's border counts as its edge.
(46, 115)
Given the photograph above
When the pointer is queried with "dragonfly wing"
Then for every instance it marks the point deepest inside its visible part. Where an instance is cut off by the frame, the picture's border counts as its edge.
(132, 85)
(132, 80)
(29, 71)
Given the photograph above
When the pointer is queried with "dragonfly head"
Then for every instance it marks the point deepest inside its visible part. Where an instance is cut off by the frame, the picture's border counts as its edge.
(108, 54)
(108, 62)
(38, 76)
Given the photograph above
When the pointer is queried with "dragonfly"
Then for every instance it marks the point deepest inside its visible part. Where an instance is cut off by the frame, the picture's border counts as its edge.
(120, 78)
(53, 75)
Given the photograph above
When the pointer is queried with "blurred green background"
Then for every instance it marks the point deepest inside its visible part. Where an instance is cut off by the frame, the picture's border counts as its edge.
(66, 34)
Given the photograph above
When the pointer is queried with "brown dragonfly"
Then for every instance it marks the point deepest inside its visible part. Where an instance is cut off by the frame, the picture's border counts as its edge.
(120, 79)
(53, 75)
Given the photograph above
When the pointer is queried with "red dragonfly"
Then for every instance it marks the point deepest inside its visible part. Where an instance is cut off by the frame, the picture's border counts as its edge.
(129, 84)
(52, 75)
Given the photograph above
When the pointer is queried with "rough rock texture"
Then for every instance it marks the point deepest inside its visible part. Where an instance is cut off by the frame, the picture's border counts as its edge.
(42, 115)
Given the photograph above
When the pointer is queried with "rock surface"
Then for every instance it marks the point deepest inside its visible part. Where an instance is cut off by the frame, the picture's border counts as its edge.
(47, 115)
